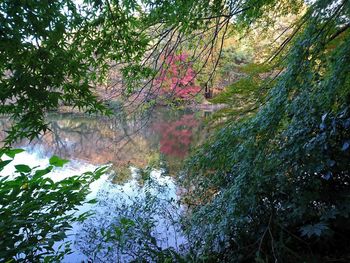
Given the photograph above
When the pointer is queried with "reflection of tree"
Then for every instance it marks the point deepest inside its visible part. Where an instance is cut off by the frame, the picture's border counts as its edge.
(176, 136)
(96, 140)
(100, 140)
(132, 224)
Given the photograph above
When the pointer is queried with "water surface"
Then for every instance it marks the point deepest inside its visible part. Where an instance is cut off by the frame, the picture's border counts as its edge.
(137, 207)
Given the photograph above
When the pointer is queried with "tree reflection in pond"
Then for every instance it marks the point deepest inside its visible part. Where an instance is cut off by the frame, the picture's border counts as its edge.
(176, 136)
(166, 139)
(133, 222)
(137, 213)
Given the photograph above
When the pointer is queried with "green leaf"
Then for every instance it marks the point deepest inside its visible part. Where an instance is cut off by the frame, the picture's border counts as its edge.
(12, 152)
(127, 222)
(57, 161)
(23, 168)
(39, 173)
(314, 230)
(4, 163)
(92, 201)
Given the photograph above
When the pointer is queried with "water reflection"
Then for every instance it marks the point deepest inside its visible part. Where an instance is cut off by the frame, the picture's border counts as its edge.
(176, 136)
(166, 138)
(136, 213)
(132, 222)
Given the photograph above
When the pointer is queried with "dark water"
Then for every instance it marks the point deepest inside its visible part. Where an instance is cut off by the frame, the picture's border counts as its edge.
(138, 198)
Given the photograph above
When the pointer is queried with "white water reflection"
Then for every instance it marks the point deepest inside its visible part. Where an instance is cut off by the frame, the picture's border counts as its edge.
(130, 221)
(39, 159)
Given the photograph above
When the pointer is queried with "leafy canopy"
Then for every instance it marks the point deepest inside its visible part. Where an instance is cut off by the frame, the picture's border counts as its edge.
(55, 53)
(274, 186)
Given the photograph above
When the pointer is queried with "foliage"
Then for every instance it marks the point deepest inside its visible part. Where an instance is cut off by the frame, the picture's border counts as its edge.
(177, 78)
(55, 53)
(39, 67)
(274, 186)
(36, 212)
(232, 59)
(244, 96)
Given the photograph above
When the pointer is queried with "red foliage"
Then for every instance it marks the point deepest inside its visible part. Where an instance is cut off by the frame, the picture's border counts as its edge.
(176, 136)
(177, 77)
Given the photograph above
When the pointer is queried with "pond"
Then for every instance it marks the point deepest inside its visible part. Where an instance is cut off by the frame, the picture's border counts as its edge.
(137, 210)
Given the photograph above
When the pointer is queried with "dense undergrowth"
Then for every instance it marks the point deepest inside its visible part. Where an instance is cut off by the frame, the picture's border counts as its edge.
(275, 185)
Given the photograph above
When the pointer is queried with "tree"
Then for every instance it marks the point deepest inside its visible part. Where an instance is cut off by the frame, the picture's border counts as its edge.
(56, 53)
(278, 179)
(176, 78)
(53, 53)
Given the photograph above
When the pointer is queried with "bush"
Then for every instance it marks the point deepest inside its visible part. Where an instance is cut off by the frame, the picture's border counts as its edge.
(36, 212)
